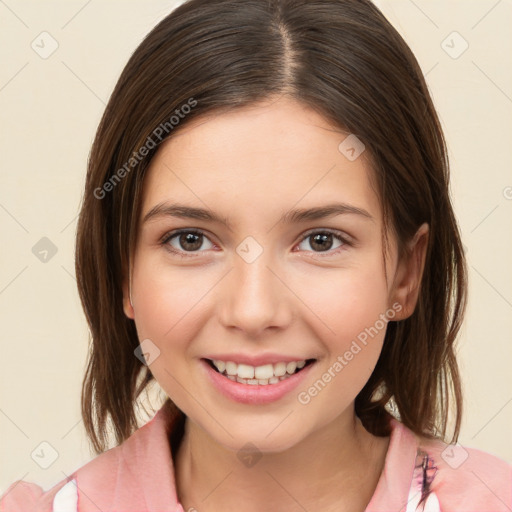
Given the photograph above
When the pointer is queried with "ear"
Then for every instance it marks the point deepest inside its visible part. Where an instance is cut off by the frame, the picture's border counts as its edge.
(127, 303)
(407, 283)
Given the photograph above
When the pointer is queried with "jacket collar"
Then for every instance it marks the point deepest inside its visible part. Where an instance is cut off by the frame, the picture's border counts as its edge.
(392, 491)
(139, 474)
(136, 475)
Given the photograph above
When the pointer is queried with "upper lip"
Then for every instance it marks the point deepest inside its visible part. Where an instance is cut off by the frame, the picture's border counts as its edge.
(256, 360)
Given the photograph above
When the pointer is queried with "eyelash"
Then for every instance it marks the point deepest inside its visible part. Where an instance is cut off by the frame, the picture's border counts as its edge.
(183, 254)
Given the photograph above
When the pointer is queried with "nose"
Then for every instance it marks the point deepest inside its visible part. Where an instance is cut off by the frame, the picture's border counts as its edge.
(254, 297)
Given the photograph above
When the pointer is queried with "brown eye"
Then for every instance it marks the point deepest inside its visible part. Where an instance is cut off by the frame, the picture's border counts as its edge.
(190, 241)
(186, 241)
(323, 241)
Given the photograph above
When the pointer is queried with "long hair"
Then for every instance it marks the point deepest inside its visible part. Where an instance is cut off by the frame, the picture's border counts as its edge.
(339, 57)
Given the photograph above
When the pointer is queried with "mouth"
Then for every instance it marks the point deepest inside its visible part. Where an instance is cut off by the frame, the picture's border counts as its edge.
(265, 375)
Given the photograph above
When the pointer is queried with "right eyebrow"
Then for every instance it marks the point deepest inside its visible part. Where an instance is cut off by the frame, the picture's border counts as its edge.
(184, 212)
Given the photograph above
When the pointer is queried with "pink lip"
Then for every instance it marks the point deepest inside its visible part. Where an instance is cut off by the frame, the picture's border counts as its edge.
(258, 360)
(254, 394)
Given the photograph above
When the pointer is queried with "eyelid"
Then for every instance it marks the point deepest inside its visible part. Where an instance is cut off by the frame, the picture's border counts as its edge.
(171, 234)
(343, 235)
(346, 240)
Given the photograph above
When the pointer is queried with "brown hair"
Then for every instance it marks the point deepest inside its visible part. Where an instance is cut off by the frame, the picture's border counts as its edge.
(339, 57)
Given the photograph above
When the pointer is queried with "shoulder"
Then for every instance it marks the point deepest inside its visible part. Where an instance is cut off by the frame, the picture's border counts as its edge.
(466, 478)
(125, 477)
(22, 496)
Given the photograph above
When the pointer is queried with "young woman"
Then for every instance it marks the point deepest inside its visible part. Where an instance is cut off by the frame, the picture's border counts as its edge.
(267, 231)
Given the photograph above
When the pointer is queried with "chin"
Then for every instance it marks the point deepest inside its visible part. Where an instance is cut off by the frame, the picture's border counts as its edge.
(262, 438)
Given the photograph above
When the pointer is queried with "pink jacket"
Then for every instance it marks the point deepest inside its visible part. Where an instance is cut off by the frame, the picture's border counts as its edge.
(138, 476)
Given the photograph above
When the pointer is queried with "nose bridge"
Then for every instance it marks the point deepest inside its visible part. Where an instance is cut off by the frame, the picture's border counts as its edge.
(254, 297)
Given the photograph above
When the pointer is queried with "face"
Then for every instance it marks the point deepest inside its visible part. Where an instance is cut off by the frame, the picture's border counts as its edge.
(293, 305)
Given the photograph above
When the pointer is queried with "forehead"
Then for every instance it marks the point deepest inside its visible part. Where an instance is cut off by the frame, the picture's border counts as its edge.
(267, 157)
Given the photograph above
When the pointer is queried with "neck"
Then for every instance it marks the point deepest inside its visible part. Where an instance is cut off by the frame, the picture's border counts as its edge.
(335, 468)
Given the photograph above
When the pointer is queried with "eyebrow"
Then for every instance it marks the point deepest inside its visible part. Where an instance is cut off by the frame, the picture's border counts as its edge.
(166, 209)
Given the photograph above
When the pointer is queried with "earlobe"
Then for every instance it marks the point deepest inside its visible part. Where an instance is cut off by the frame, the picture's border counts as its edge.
(409, 273)
(127, 302)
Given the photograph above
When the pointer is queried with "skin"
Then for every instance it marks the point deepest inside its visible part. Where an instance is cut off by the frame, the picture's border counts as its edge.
(253, 165)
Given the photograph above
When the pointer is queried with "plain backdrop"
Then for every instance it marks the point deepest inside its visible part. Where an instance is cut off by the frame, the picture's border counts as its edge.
(50, 107)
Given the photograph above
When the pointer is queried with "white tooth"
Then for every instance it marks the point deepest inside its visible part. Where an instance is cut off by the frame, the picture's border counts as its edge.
(291, 367)
(245, 371)
(279, 369)
(264, 372)
(220, 365)
(231, 368)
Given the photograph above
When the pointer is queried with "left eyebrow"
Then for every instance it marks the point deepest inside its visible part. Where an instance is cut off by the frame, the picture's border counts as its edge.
(293, 216)
(320, 212)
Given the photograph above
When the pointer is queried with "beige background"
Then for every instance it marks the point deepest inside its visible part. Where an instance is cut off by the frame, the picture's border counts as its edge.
(50, 109)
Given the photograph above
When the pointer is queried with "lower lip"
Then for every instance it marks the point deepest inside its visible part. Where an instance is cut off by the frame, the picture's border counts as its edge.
(255, 393)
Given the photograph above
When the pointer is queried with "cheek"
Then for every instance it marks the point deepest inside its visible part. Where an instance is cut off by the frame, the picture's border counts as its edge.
(165, 301)
(167, 306)
(351, 307)
(348, 301)
(352, 353)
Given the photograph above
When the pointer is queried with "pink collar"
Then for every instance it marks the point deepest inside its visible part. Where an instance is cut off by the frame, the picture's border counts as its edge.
(139, 474)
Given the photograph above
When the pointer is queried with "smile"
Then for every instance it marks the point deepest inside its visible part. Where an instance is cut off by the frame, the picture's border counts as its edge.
(258, 375)
(242, 382)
